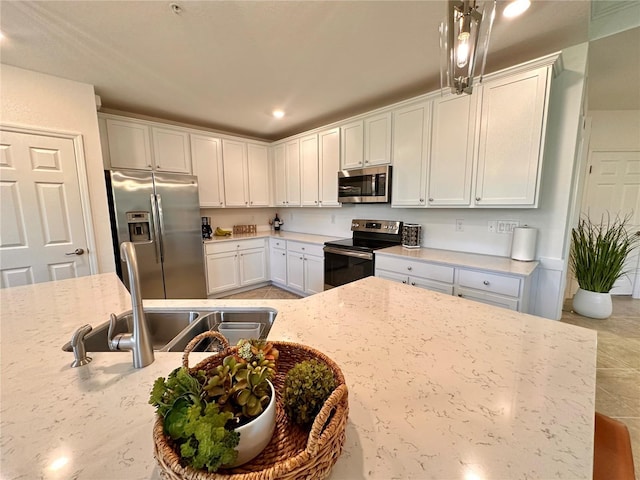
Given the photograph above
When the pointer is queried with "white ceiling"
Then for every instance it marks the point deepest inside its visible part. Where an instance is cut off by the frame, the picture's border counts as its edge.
(227, 64)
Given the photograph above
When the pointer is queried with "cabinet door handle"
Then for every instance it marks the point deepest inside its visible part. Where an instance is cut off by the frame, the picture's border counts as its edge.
(486, 282)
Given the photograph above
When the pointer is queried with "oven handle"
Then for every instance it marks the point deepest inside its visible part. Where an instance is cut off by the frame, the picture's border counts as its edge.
(349, 253)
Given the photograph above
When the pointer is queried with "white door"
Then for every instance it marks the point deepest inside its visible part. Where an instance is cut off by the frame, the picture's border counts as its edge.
(234, 161)
(258, 175)
(42, 231)
(314, 274)
(613, 187)
(329, 164)
(207, 163)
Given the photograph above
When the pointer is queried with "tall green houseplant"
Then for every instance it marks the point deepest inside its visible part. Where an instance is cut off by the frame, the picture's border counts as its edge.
(597, 259)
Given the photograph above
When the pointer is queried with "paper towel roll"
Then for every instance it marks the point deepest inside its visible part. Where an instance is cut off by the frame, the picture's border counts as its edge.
(523, 246)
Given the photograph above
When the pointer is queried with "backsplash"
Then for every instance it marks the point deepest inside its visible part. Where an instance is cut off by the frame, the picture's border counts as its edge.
(226, 218)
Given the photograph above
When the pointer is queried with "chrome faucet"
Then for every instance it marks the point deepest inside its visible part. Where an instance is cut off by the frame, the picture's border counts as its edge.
(139, 342)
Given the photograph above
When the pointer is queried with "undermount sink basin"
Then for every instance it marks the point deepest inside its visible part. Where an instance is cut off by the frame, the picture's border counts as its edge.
(172, 330)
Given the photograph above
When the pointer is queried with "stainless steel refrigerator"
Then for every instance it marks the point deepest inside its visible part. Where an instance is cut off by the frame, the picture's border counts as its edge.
(160, 213)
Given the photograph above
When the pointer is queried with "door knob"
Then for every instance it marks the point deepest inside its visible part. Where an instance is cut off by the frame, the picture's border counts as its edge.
(77, 251)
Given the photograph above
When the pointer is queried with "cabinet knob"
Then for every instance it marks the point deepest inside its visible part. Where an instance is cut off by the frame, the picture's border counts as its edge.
(246, 203)
(404, 281)
(148, 165)
(409, 268)
(321, 202)
(251, 203)
(220, 203)
(422, 200)
(486, 282)
(413, 283)
(430, 199)
(477, 199)
(366, 161)
(315, 201)
(460, 295)
(284, 254)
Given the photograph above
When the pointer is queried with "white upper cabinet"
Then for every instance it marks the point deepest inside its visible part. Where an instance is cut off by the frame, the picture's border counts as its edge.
(367, 142)
(352, 137)
(377, 140)
(258, 175)
(129, 144)
(511, 141)
(411, 126)
(309, 167)
(287, 173)
(171, 150)
(206, 153)
(234, 155)
(328, 166)
(452, 149)
(246, 174)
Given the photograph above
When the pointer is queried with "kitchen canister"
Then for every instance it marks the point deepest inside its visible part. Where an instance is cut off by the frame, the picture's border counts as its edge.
(411, 235)
(523, 245)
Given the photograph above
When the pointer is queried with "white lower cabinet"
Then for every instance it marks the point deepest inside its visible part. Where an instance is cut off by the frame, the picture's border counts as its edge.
(235, 264)
(278, 261)
(506, 291)
(429, 276)
(305, 267)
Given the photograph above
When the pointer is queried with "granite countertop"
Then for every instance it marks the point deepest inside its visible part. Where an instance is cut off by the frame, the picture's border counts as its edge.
(439, 387)
(298, 237)
(462, 259)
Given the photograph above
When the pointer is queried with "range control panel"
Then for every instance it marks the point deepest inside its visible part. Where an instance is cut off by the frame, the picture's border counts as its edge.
(376, 226)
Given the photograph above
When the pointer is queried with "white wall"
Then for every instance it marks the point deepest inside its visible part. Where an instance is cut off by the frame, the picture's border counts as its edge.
(38, 101)
(615, 130)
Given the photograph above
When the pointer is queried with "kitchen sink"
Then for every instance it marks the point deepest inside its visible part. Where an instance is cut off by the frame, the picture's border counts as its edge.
(172, 330)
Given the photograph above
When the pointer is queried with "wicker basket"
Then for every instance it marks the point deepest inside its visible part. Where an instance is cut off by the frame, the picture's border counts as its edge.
(293, 452)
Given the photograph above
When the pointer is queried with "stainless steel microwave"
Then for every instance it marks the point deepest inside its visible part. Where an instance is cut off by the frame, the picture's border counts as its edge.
(365, 185)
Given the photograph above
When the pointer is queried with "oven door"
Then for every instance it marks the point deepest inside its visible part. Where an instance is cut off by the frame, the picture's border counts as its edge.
(344, 266)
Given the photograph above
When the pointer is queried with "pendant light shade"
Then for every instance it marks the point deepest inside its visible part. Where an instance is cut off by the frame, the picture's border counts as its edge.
(464, 40)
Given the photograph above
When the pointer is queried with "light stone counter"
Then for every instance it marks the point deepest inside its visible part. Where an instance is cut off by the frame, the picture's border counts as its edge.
(298, 237)
(462, 259)
(439, 387)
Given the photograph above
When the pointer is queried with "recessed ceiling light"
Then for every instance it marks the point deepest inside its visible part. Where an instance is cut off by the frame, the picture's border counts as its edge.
(278, 113)
(515, 8)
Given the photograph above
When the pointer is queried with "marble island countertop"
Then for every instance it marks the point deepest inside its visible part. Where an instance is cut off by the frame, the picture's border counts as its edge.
(439, 387)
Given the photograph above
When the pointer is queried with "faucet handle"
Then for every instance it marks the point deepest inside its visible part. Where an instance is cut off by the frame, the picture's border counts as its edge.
(77, 343)
(113, 340)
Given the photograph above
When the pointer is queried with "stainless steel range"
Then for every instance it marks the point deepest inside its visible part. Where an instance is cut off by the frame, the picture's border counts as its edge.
(351, 259)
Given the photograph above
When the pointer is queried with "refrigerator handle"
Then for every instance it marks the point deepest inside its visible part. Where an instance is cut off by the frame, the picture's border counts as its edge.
(156, 227)
(161, 225)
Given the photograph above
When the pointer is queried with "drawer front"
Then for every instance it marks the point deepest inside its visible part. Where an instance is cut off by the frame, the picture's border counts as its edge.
(431, 285)
(489, 282)
(308, 248)
(489, 299)
(278, 243)
(430, 271)
(233, 245)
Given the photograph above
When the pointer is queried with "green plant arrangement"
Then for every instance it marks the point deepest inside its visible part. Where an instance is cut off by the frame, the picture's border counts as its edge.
(201, 411)
(306, 387)
(599, 250)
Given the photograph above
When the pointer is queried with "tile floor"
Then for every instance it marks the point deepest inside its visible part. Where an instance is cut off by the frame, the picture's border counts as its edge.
(269, 292)
(618, 361)
(618, 365)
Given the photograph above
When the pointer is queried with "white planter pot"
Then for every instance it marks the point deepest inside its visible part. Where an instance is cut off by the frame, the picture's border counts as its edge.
(255, 435)
(592, 304)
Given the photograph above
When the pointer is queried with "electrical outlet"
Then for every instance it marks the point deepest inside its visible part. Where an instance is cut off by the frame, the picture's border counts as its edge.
(507, 226)
(459, 225)
(493, 226)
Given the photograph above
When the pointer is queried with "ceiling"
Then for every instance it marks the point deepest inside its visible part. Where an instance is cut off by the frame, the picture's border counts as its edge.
(226, 65)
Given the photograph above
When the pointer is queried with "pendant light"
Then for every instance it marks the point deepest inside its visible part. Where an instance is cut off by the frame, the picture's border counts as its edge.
(464, 40)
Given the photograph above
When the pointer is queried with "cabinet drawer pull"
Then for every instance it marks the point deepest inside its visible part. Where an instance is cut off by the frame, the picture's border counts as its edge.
(486, 282)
